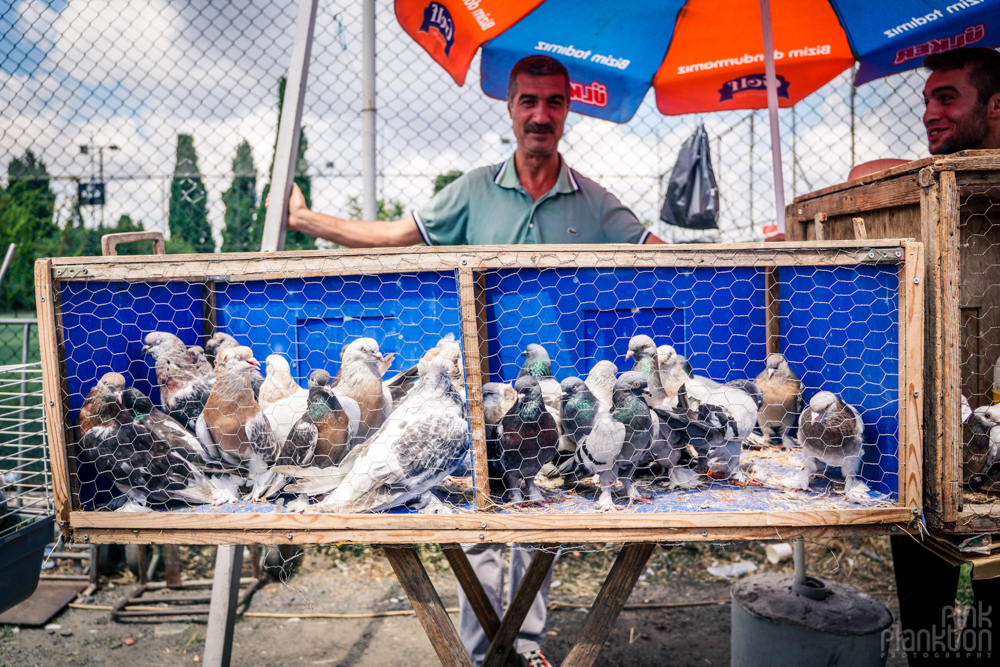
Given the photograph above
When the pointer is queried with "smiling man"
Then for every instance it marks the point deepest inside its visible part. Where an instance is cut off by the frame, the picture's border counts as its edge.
(533, 197)
(962, 105)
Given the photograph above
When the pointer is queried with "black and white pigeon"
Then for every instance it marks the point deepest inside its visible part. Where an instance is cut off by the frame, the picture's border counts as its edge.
(183, 389)
(699, 428)
(538, 365)
(980, 441)
(601, 380)
(140, 466)
(740, 409)
(528, 437)
(830, 431)
(617, 439)
(425, 439)
(782, 400)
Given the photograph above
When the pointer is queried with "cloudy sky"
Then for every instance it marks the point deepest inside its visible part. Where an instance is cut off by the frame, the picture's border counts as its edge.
(136, 73)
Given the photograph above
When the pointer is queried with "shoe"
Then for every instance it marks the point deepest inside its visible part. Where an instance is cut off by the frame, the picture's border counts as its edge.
(535, 659)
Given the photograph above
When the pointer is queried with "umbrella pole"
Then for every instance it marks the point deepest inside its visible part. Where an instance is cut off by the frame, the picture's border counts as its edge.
(772, 111)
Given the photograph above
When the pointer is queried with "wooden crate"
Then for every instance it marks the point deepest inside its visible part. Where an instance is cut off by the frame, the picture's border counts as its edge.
(952, 205)
(94, 311)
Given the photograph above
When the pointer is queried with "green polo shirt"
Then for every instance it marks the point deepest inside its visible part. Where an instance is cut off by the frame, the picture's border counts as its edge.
(489, 206)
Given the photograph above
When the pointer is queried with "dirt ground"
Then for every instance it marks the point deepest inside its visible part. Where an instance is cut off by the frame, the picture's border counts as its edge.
(359, 580)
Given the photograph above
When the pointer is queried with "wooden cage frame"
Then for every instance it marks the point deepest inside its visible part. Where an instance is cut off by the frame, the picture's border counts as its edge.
(480, 526)
(921, 200)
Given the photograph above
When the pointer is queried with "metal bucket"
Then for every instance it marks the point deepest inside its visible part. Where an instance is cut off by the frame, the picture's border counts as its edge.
(774, 626)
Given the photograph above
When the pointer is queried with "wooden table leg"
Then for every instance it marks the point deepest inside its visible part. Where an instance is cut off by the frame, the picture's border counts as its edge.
(427, 605)
(608, 605)
(501, 644)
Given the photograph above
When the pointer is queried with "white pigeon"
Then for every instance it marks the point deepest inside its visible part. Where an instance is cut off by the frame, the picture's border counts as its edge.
(279, 383)
(424, 440)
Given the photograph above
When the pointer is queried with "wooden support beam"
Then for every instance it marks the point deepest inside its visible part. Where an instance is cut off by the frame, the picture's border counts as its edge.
(771, 296)
(860, 233)
(427, 605)
(222, 610)
(609, 603)
(513, 618)
(820, 221)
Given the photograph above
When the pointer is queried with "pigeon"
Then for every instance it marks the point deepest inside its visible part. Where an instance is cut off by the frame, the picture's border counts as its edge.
(699, 428)
(323, 435)
(751, 388)
(830, 431)
(279, 383)
(782, 399)
(223, 479)
(675, 370)
(498, 398)
(738, 409)
(980, 442)
(216, 343)
(142, 467)
(643, 350)
(579, 410)
(196, 353)
(630, 408)
(232, 426)
(183, 389)
(359, 380)
(425, 440)
(538, 365)
(528, 437)
(617, 438)
(601, 380)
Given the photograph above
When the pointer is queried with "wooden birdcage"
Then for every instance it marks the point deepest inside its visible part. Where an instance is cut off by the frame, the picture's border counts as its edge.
(952, 205)
(847, 315)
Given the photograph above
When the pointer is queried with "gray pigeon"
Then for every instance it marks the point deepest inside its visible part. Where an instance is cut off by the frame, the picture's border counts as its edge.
(538, 365)
(198, 358)
(183, 389)
(629, 407)
(528, 437)
(424, 440)
(601, 380)
(782, 400)
(830, 431)
(675, 370)
(981, 442)
(643, 350)
(216, 343)
(579, 409)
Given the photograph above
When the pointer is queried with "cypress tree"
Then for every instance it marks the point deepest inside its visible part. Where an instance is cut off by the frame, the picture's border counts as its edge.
(189, 200)
(241, 203)
(294, 240)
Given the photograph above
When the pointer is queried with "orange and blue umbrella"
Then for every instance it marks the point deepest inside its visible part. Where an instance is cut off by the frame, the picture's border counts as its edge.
(697, 55)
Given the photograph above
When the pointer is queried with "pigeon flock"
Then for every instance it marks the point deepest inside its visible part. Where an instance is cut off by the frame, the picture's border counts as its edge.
(360, 442)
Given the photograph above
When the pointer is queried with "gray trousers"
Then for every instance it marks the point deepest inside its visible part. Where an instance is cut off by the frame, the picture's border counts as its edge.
(488, 562)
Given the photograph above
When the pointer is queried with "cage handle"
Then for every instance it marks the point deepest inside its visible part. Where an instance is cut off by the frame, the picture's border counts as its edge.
(110, 242)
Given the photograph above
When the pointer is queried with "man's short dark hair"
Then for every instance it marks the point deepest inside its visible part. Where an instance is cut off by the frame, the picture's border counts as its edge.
(537, 66)
(984, 74)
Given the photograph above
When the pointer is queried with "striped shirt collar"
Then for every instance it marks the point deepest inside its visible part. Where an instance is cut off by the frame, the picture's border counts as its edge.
(507, 177)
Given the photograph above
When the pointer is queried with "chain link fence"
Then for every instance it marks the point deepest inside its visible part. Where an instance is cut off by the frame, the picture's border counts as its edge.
(99, 91)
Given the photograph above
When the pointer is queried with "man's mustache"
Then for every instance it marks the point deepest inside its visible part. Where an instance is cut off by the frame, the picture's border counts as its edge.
(540, 128)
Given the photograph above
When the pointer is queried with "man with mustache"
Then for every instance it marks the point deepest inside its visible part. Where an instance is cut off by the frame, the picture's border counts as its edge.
(533, 197)
(962, 112)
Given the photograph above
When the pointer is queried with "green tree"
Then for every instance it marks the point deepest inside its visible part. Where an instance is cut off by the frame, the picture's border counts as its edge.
(294, 240)
(441, 181)
(390, 209)
(241, 203)
(27, 207)
(189, 199)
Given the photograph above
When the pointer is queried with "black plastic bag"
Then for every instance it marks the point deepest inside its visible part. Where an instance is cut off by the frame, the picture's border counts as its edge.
(692, 194)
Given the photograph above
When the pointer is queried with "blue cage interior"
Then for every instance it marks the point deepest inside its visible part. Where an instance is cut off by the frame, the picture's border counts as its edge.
(839, 331)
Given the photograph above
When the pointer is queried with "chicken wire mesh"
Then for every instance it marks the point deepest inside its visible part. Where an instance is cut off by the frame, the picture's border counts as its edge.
(651, 371)
(979, 313)
(100, 92)
(25, 480)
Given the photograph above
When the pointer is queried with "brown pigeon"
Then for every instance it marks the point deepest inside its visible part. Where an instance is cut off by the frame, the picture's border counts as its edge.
(782, 399)
(359, 379)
